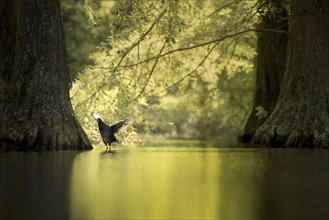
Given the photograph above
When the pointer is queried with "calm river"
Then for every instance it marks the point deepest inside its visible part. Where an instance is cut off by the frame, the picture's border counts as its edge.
(183, 179)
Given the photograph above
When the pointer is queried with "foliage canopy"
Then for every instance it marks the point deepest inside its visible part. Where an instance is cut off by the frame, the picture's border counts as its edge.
(183, 68)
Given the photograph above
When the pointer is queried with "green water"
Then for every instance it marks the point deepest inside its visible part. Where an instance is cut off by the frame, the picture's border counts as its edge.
(183, 179)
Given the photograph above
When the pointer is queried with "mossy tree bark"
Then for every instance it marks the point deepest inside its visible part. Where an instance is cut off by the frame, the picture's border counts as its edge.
(270, 64)
(301, 115)
(35, 110)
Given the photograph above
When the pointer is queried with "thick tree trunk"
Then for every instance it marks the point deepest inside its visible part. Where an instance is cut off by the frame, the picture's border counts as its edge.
(301, 116)
(271, 58)
(8, 28)
(36, 111)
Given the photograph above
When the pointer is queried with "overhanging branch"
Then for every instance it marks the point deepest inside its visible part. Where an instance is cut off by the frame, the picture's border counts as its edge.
(203, 44)
(190, 73)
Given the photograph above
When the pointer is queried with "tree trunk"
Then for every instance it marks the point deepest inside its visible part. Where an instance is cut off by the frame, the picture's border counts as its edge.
(271, 58)
(36, 111)
(8, 28)
(301, 115)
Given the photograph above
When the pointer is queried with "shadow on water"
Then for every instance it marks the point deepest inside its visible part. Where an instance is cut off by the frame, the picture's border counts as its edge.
(35, 185)
(107, 152)
(275, 184)
(295, 184)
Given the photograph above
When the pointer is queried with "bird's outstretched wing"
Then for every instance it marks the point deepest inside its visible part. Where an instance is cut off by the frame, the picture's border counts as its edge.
(121, 125)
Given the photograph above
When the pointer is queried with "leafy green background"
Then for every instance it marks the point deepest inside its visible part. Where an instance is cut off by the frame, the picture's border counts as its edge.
(178, 66)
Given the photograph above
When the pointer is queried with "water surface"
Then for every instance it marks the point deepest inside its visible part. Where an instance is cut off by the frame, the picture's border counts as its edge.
(183, 179)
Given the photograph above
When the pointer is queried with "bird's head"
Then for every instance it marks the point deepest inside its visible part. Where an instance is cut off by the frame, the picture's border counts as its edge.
(96, 116)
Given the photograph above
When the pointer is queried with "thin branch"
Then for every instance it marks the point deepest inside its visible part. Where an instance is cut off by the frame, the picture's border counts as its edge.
(235, 42)
(141, 38)
(233, 50)
(151, 72)
(190, 73)
(222, 7)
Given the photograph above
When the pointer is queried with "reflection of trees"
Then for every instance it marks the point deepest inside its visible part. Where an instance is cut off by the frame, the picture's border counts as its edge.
(275, 184)
(295, 185)
(35, 185)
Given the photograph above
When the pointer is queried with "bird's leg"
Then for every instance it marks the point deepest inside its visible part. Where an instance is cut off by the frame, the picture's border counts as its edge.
(108, 147)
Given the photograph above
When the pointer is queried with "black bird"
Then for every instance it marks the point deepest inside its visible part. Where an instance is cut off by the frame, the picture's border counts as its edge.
(107, 131)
